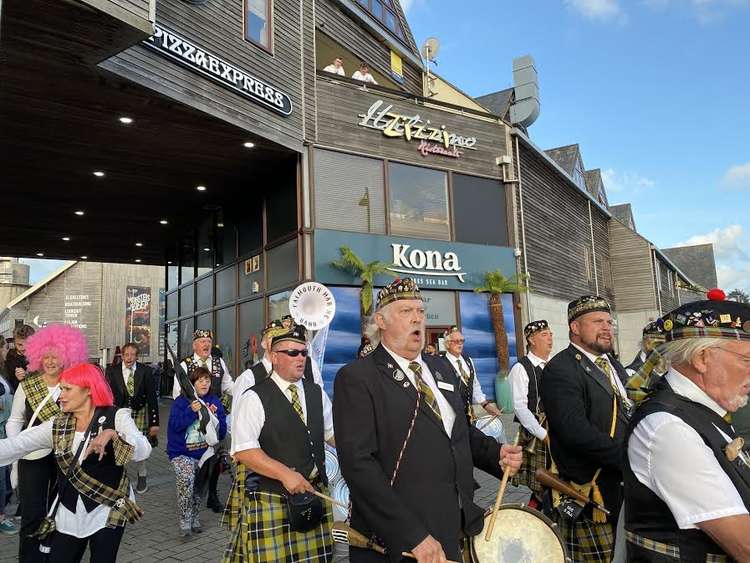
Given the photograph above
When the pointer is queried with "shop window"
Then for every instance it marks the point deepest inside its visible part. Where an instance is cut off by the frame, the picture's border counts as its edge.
(187, 261)
(173, 277)
(479, 212)
(206, 246)
(226, 241)
(226, 326)
(226, 285)
(205, 322)
(172, 309)
(283, 265)
(172, 337)
(187, 300)
(250, 227)
(251, 276)
(349, 193)
(204, 298)
(385, 12)
(258, 18)
(278, 305)
(281, 203)
(185, 344)
(251, 325)
(418, 199)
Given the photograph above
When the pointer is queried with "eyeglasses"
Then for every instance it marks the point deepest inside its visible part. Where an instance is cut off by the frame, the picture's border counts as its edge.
(745, 359)
(457, 341)
(293, 353)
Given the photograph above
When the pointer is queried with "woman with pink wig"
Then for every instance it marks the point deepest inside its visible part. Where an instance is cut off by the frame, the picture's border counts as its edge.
(91, 441)
(49, 351)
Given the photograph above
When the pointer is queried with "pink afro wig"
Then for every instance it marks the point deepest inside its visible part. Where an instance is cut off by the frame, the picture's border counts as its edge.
(90, 377)
(64, 341)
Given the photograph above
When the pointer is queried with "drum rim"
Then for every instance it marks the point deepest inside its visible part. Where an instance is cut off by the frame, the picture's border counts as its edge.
(521, 506)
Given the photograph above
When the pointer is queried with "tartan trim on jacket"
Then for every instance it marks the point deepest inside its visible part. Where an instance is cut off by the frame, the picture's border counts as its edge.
(123, 509)
(36, 391)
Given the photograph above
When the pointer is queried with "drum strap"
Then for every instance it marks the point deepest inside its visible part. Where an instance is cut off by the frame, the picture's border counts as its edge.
(590, 488)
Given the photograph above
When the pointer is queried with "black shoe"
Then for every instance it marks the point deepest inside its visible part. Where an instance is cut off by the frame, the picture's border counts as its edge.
(214, 504)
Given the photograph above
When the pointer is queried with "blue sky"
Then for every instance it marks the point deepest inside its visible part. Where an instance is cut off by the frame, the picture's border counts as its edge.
(656, 92)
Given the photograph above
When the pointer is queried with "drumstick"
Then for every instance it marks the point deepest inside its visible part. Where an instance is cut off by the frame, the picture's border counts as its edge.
(331, 500)
(500, 493)
(486, 424)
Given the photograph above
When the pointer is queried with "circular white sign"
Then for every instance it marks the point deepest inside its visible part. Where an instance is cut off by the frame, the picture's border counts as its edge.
(312, 305)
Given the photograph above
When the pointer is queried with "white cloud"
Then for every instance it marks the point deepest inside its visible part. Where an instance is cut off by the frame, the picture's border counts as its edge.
(409, 4)
(732, 260)
(597, 10)
(737, 177)
(704, 11)
(629, 182)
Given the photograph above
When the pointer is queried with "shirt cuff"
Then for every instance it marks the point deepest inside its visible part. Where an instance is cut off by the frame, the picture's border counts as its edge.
(249, 445)
(690, 521)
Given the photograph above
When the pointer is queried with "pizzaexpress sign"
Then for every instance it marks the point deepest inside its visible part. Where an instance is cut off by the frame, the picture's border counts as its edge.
(431, 263)
(169, 44)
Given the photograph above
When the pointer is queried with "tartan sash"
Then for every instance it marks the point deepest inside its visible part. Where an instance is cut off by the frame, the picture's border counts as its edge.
(124, 510)
(36, 391)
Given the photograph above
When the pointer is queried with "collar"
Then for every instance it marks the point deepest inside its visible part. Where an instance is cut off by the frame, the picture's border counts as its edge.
(131, 368)
(266, 364)
(589, 355)
(402, 362)
(686, 388)
(535, 360)
(283, 384)
(453, 358)
(197, 358)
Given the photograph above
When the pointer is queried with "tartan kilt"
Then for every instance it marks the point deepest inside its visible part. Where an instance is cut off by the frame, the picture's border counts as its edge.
(538, 460)
(586, 541)
(233, 508)
(139, 417)
(263, 534)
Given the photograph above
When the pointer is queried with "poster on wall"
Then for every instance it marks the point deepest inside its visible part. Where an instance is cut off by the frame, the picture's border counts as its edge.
(138, 318)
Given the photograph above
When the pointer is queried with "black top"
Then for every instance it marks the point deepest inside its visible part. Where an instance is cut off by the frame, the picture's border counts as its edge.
(578, 399)
(645, 513)
(14, 360)
(145, 392)
(433, 492)
(286, 438)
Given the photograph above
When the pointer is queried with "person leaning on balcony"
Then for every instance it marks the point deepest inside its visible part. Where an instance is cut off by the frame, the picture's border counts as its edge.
(363, 74)
(336, 67)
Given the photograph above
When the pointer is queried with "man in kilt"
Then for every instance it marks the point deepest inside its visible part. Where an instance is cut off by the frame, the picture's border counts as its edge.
(279, 429)
(587, 413)
(133, 387)
(525, 380)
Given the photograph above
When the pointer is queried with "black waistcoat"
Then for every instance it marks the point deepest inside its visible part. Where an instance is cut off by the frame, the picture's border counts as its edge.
(286, 438)
(534, 402)
(104, 470)
(466, 389)
(645, 513)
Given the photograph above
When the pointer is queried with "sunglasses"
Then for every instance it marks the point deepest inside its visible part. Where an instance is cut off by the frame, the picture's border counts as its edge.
(293, 353)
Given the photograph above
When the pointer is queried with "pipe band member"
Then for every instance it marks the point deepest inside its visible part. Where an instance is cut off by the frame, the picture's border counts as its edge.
(279, 431)
(133, 386)
(49, 351)
(525, 381)
(687, 473)
(587, 413)
(405, 446)
(91, 441)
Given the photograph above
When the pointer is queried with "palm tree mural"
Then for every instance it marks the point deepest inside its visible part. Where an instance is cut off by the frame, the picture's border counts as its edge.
(366, 272)
(495, 283)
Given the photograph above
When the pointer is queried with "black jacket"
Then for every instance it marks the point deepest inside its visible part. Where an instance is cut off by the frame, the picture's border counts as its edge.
(433, 492)
(578, 399)
(145, 392)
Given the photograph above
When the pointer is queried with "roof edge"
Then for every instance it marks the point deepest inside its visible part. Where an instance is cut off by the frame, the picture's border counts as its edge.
(41, 283)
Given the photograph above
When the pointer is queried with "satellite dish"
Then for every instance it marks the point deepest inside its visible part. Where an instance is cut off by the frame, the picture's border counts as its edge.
(430, 48)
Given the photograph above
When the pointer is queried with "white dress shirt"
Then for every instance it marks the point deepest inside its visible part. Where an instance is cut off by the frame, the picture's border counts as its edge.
(519, 385)
(614, 379)
(477, 395)
(446, 410)
(669, 457)
(126, 375)
(250, 416)
(364, 77)
(333, 69)
(226, 379)
(245, 381)
(17, 419)
(80, 523)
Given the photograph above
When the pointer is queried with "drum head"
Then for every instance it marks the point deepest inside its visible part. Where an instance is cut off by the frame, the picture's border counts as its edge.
(521, 535)
(332, 465)
(340, 493)
(491, 426)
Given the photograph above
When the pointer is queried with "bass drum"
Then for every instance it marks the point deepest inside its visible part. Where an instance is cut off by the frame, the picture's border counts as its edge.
(492, 426)
(521, 535)
(333, 471)
(340, 493)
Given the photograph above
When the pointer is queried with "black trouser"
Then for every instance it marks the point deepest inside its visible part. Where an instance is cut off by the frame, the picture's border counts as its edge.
(36, 484)
(70, 549)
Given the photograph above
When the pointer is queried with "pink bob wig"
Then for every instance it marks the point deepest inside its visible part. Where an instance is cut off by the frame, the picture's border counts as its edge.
(89, 377)
(65, 342)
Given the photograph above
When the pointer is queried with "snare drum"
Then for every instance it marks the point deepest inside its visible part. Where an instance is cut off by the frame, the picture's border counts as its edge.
(333, 471)
(340, 493)
(492, 426)
(520, 535)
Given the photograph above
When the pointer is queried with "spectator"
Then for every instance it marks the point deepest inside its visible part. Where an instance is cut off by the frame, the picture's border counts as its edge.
(6, 401)
(363, 74)
(337, 67)
(15, 359)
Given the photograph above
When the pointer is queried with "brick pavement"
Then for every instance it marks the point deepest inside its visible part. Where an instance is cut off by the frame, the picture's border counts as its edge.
(156, 539)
